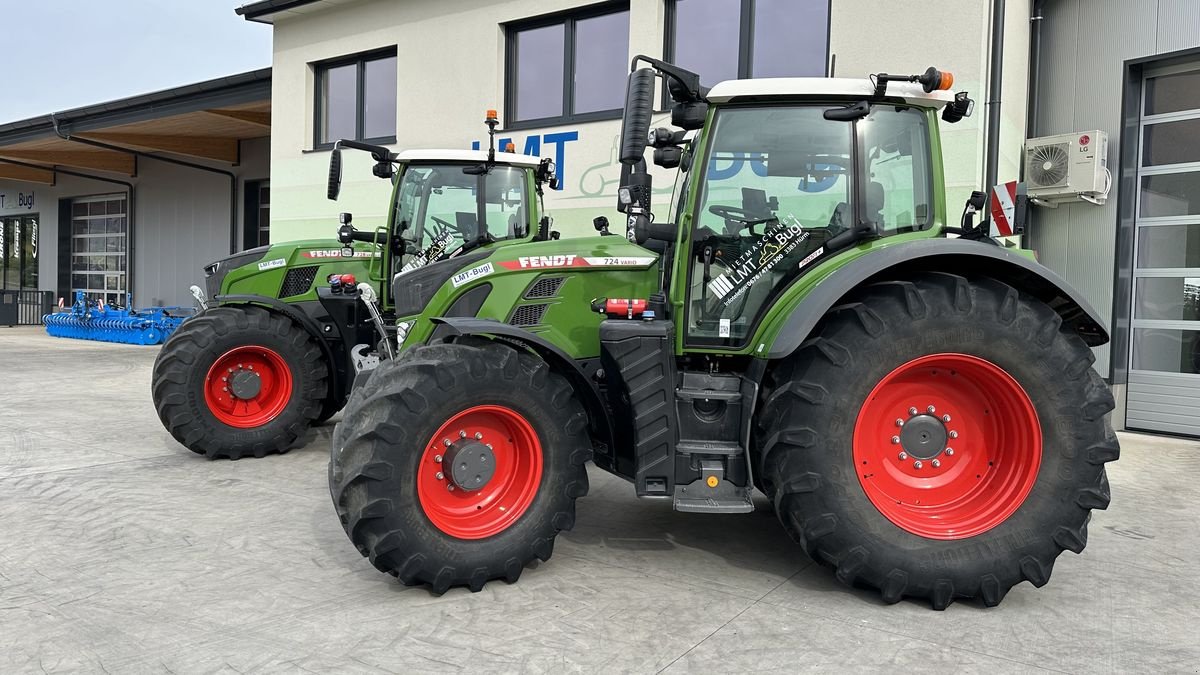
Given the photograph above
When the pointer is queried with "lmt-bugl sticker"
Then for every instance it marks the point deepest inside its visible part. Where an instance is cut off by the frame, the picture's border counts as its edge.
(756, 261)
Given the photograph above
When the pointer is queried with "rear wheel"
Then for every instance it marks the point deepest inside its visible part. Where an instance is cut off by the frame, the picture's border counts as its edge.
(459, 463)
(239, 381)
(938, 438)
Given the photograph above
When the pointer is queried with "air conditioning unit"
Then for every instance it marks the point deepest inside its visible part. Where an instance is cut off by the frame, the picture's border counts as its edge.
(1068, 167)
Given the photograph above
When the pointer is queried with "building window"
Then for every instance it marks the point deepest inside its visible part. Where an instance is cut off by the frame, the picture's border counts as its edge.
(568, 68)
(98, 265)
(774, 38)
(356, 99)
(19, 252)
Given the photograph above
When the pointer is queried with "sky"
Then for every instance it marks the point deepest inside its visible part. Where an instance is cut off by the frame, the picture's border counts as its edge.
(62, 54)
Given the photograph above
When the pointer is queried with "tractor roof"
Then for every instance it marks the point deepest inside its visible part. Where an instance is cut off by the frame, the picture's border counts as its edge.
(823, 87)
(459, 155)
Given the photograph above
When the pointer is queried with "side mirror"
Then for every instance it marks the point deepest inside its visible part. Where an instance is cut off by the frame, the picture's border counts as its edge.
(335, 174)
(639, 106)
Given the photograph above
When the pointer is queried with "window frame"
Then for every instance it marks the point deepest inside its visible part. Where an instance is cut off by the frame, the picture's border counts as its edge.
(360, 59)
(745, 37)
(567, 19)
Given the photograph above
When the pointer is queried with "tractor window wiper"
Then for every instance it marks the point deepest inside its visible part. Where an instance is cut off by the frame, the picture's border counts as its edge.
(484, 238)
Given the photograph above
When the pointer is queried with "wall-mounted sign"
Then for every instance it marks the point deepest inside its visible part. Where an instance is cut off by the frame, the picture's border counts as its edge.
(21, 200)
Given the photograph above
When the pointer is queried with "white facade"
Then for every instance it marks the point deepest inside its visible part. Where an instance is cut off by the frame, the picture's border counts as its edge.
(451, 68)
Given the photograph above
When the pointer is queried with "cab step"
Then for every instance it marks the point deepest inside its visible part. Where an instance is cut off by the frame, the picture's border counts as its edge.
(712, 493)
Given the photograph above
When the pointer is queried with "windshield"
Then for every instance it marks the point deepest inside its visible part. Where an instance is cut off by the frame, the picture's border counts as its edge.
(440, 207)
(779, 182)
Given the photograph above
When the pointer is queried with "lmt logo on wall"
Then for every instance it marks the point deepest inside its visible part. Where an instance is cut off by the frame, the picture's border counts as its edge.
(533, 147)
(23, 201)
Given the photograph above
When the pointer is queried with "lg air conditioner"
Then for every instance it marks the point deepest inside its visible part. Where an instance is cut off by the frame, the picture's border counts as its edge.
(1068, 167)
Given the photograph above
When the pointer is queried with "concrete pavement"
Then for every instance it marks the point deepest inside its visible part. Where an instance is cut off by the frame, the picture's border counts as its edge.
(122, 552)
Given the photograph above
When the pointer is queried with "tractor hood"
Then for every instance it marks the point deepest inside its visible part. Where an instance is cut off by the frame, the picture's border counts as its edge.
(543, 287)
(263, 270)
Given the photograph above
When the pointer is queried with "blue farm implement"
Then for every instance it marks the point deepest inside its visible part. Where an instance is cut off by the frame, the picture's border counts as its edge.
(88, 320)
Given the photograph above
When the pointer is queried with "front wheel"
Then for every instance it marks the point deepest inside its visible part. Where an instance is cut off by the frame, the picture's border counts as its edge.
(938, 438)
(459, 463)
(238, 381)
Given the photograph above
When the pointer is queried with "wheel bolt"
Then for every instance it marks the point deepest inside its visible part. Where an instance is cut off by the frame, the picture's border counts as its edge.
(903, 456)
(953, 434)
(917, 464)
(899, 422)
(446, 441)
(462, 434)
(437, 458)
(449, 487)
(224, 379)
(949, 452)
(895, 440)
(478, 436)
(912, 411)
(224, 388)
(440, 475)
(931, 410)
(489, 446)
(936, 463)
(945, 418)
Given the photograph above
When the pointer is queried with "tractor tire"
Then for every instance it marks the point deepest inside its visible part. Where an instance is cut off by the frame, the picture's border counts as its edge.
(239, 381)
(329, 407)
(416, 518)
(937, 438)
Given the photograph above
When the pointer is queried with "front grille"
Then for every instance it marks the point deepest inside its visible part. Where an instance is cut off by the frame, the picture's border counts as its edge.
(298, 280)
(527, 315)
(546, 287)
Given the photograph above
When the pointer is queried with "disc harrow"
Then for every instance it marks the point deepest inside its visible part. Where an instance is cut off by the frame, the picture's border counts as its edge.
(88, 320)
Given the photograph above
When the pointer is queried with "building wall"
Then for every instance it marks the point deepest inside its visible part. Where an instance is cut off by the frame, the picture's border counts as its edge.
(451, 69)
(1084, 46)
(181, 221)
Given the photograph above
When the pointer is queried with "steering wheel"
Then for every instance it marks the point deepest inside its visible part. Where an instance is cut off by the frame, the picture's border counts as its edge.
(739, 215)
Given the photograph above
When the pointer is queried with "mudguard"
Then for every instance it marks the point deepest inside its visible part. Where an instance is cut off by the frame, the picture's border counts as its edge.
(956, 256)
(340, 378)
(559, 360)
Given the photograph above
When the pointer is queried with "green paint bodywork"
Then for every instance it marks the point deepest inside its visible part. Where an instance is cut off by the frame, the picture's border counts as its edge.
(260, 278)
(568, 321)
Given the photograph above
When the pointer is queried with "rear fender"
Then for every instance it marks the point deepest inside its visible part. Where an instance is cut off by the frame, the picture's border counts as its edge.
(956, 256)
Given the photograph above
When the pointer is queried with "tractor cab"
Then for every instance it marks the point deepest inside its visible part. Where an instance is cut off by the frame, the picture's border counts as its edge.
(446, 203)
(781, 175)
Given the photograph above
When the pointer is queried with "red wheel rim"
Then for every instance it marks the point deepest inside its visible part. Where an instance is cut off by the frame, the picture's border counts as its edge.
(248, 386)
(516, 454)
(989, 461)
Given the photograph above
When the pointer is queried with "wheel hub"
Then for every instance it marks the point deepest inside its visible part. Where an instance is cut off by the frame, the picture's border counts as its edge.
(469, 464)
(923, 437)
(245, 384)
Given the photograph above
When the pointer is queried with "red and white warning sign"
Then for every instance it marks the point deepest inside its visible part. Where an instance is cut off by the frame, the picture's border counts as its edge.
(1004, 207)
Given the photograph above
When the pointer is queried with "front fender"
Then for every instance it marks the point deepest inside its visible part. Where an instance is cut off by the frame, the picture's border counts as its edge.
(800, 313)
(448, 327)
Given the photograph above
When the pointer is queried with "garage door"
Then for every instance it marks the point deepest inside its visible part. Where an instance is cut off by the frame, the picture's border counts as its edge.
(1164, 376)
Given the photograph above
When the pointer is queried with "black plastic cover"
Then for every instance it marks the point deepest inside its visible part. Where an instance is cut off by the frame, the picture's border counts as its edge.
(415, 288)
(639, 105)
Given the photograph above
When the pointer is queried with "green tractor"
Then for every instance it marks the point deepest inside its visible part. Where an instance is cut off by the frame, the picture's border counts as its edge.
(920, 410)
(286, 329)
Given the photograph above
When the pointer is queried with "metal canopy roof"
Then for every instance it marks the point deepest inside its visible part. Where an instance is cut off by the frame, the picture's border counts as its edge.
(205, 121)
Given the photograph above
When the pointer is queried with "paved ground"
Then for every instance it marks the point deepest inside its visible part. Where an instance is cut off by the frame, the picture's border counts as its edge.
(120, 551)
